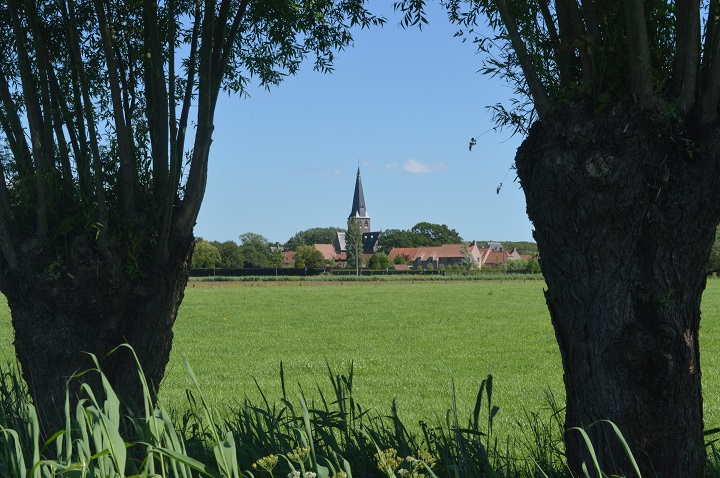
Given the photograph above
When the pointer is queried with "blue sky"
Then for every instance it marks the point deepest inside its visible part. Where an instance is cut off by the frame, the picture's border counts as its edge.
(401, 103)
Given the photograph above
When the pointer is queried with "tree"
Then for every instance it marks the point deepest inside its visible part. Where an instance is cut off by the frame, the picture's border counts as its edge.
(468, 261)
(354, 245)
(437, 234)
(315, 235)
(230, 255)
(379, 260)
(421, 234)
(311, 257)
(620, 168)
(106, 120)
(205, 255)
(255, 248)
(277, 258)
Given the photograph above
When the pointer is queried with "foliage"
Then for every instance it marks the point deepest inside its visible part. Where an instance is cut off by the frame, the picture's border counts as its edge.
(315, 235)
(354, 244)
(205, 255)
(437, 234)
(310, 257)
(230, 255)
(714, 261)
(295, 437)
(106, 125)
(421, 234)
(401, 259)
(379, 260)
(255, 248)
(277, 258)
(468, 262)
(108, 106)
(522, 266)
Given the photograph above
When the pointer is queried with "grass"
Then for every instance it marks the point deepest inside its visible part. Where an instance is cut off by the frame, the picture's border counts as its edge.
(407, 341)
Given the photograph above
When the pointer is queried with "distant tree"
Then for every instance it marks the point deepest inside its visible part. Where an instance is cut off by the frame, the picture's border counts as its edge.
(276, 259)
(312, 258)
(353, 244)
(468, 262)
(393, 238)
(401, 259)
(437, 234)
(230, 255)
(205, 255)
(315, 235)
(299, 262)
(255, 249)
(379, 260)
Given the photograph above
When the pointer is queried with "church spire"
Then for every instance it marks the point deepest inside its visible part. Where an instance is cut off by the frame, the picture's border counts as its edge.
(358, 207)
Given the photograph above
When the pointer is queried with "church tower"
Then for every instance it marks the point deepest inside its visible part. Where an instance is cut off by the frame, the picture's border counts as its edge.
(358, 207)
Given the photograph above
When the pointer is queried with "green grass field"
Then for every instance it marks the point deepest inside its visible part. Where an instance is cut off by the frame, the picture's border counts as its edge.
(408, 341)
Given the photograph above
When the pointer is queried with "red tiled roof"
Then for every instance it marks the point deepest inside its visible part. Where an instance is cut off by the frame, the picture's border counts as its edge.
(289, 257)
(327, 251)
(409, 252)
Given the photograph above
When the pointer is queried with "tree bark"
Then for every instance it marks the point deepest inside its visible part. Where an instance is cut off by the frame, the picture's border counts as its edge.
(93, 305)
(624, 213)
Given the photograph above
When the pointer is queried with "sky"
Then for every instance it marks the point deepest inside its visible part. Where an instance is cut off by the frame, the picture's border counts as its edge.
(402, 105)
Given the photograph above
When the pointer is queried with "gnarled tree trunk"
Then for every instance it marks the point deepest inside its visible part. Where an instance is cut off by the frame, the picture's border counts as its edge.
(92, 303)
(625, 213)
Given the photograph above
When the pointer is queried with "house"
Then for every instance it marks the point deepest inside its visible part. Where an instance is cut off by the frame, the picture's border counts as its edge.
(491, 256)
(445, 255)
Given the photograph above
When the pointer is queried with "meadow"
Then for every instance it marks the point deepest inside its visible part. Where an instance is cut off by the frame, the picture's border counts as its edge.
(414, 342)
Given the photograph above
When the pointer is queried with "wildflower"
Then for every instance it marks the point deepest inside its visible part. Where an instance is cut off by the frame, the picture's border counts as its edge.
(427, 458)
(294, 474)
(299, 455)
(310, 474)
(388, 459)
(267, 463)
(403, 472)
(340, 474)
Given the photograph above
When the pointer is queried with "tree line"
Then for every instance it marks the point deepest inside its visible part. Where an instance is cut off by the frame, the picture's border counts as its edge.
(256, 251)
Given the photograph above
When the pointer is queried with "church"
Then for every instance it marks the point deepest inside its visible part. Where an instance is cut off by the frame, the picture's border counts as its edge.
(370, 239)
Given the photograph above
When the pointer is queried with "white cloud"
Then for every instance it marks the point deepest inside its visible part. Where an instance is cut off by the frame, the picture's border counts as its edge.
(416, 167)
(393, 165)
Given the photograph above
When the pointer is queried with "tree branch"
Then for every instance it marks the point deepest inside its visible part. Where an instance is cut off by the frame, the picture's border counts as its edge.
(156, 97)
(126, 179)
(197, 176)
(540, 98)
(710, 85)
(638, 52)
(687, 56)
(34, 118)
(89, 116)
(227, 48)
(15, 132)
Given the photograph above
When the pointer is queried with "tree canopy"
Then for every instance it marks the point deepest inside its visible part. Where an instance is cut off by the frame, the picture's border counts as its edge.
(315, 235)
(421, 234)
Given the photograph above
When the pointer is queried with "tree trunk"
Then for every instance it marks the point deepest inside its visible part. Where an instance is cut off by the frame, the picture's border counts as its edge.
(624, 214)
(93, 301)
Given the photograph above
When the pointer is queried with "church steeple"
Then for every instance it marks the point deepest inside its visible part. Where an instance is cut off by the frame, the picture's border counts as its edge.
(358, 207)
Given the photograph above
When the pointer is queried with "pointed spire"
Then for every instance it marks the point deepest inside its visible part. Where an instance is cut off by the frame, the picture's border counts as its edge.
(358, 206)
